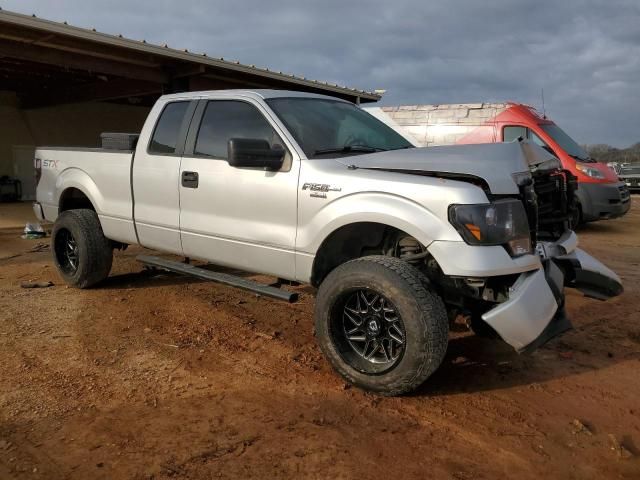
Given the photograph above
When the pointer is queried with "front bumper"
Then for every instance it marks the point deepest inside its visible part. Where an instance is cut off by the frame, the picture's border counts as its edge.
(600, 201)
(534, 312)
(589, 276)
(632, 182)
(530, 308)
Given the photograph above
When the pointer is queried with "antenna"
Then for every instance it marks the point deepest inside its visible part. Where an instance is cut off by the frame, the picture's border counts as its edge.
(544, 113)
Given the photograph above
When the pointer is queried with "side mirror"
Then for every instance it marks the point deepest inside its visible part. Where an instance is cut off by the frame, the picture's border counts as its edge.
(249, 152)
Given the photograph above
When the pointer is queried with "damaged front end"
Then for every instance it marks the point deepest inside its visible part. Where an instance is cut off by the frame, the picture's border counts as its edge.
(533, 311)
(517, 251)
(526, 309)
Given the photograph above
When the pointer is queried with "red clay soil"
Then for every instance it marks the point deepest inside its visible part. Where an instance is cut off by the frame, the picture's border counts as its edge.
(167, 377)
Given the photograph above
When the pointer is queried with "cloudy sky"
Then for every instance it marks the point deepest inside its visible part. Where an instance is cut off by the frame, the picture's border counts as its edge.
(585, 54)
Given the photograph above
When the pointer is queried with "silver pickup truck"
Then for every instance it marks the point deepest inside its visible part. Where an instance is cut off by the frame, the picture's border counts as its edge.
(308, 188)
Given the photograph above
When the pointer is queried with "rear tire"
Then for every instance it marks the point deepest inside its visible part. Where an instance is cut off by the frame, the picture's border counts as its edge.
(81, 252)
(382, 302)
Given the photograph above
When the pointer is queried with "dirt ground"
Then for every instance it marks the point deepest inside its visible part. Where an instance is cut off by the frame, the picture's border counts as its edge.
(168, 377)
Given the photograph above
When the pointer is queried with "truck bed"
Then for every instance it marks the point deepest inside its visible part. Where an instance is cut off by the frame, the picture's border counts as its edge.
(103, 175)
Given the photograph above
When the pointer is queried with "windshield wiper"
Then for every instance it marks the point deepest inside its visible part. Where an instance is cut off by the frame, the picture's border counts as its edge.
(349, 149)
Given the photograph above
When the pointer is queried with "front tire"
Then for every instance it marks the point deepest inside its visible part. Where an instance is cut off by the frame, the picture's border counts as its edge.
(81, 252)
(378, 325)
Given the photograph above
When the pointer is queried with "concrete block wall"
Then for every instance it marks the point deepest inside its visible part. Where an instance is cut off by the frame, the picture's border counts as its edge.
(431, 125)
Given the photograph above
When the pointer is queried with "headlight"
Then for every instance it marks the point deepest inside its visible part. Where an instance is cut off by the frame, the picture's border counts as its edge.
(503, 222)
(589, 171)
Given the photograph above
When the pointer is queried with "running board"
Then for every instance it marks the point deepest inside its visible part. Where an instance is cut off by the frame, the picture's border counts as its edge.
(224, 278)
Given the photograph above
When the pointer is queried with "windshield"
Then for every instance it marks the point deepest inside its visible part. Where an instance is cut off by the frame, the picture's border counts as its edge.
(331, 128)
(567, 143)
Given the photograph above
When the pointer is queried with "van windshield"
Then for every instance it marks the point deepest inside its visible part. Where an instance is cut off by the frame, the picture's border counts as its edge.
(332, 128)
(567, 143)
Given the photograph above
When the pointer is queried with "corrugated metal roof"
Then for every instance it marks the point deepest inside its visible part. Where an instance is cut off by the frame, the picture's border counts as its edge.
(92, 35)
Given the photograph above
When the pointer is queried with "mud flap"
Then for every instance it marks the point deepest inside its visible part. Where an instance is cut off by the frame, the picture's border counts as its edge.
(588, 275)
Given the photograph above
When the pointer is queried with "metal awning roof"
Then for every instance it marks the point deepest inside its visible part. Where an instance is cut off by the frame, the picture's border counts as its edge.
(48, 63)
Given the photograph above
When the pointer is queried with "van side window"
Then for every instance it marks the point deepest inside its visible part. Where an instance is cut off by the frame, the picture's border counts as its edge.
(227, 119)
(165, 135)
(509, 134)
(512, 132)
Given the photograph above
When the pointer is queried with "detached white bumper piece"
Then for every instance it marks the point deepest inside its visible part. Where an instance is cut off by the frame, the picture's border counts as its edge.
(534, 312)
(531, 307)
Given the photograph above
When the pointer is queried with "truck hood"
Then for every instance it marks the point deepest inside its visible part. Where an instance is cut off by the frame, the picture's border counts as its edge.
(495, 163)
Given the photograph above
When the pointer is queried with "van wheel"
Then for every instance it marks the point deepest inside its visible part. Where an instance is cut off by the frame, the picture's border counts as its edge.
(378, 325)
(576, 217)
(81, 252)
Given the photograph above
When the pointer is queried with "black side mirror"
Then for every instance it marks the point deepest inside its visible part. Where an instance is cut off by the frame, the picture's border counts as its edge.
(249, 152)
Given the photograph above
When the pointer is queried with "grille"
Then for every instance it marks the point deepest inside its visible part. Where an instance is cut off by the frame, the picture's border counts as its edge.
(551, 203)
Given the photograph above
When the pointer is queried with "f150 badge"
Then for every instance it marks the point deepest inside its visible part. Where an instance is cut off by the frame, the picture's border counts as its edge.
(319, 190)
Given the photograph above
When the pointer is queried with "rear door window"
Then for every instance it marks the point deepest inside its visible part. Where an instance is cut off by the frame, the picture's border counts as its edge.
(165, 136)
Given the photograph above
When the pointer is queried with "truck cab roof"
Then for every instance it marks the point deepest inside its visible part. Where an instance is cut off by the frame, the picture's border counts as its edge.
(257, 94)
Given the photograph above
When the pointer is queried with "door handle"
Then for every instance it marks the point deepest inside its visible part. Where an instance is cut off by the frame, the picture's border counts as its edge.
(190, 179)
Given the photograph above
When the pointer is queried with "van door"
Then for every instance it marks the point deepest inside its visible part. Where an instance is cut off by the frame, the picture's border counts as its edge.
(155, 176)
(240, 217)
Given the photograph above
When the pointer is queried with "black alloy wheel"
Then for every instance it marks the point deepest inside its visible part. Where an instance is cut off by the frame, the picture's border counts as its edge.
(380, 325)
(373, 329)
(81, 253)
(66, 251)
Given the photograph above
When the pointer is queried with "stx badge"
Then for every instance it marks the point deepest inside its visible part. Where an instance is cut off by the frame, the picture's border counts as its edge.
(50, 163)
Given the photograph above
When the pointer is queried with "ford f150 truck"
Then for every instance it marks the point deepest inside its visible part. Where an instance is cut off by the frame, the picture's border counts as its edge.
(308, 188)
